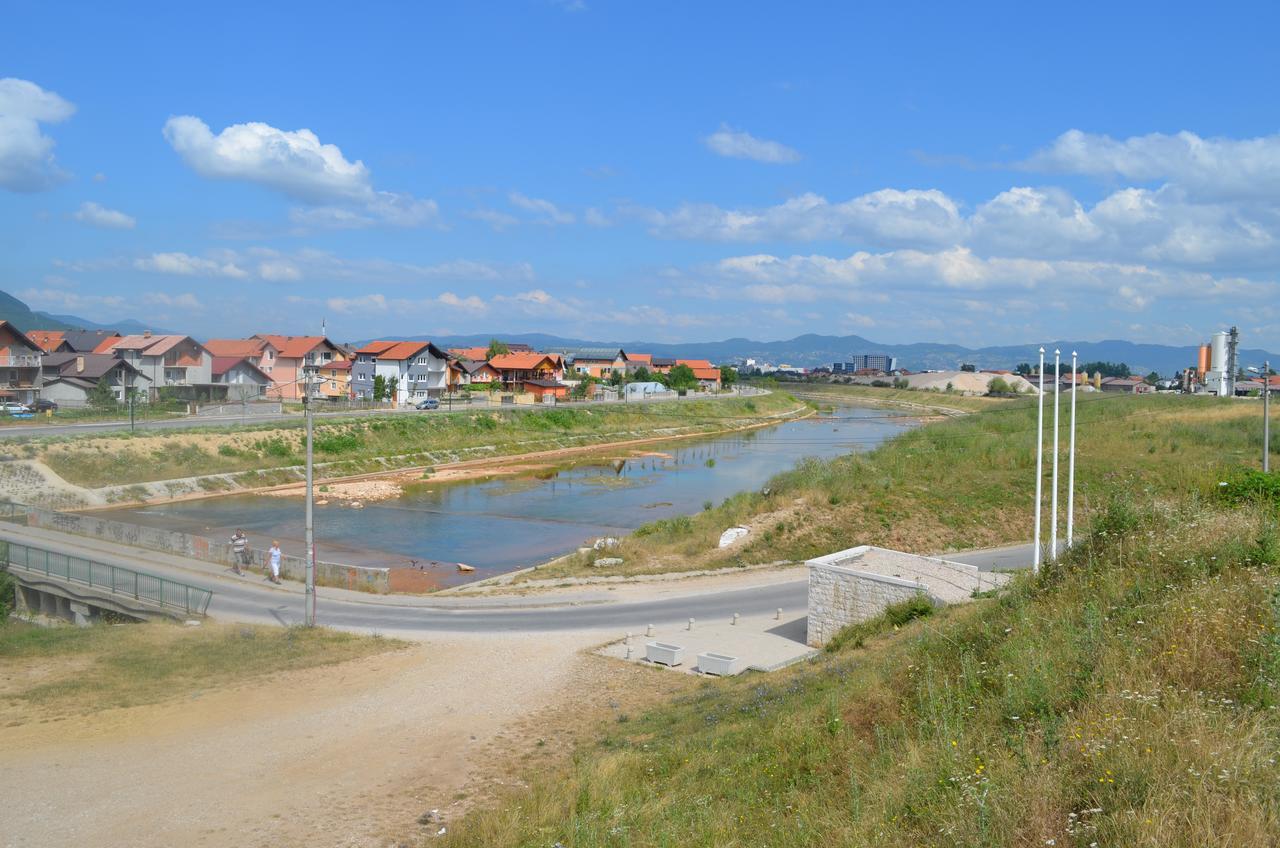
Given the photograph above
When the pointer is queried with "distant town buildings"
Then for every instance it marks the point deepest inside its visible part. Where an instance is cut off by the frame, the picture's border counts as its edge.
(866, 362)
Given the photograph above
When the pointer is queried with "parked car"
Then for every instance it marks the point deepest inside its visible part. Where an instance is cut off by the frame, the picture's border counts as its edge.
(13, 408)
(43, 405)
(427, 403)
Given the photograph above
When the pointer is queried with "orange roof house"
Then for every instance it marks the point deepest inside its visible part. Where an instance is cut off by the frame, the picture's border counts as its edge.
(518, 367)
(48, 340)
(292, 355)
(703, 370)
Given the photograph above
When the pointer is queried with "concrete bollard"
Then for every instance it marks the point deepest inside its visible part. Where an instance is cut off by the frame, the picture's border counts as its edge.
(628, 652)
(777, 616)
(648, 630)
(691, 624)
(735, 619)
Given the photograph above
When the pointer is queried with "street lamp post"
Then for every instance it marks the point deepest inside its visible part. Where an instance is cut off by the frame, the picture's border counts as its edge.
(1035, 562)
(1053, 499)
(309, 610)
(1071, 458)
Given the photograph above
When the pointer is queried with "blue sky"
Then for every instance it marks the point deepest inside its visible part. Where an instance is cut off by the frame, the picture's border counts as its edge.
(989, 173)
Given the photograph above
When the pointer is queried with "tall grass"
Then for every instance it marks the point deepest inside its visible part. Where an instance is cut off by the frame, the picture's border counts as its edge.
(1127, 697)
(960, 483)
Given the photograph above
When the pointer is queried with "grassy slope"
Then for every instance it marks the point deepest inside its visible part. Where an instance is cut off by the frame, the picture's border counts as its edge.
(83, 670)
(1129, 697)
(954, 484)
(361, 445)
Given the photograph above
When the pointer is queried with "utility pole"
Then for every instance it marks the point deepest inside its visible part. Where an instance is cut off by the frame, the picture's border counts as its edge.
(309, 610)
(1071, 457)
(1035, 562)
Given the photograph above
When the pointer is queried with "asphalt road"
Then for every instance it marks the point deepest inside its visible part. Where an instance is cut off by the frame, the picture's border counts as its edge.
(251, 599)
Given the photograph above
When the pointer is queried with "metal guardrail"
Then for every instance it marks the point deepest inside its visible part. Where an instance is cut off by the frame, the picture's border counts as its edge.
(115, 579)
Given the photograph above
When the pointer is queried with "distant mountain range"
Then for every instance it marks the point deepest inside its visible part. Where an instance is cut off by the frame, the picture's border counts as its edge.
(804, 351)
(812, 350)
(25, 318)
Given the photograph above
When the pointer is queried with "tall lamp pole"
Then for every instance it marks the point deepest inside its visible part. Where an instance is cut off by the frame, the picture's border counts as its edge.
(1266, 416)
(1053, 531)
(1035, 562)
(1071, 457)
(309, 610)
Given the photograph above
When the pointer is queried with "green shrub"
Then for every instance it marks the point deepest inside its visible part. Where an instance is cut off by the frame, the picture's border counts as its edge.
(894, 615)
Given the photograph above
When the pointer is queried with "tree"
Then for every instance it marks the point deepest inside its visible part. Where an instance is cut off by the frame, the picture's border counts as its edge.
(681, 377)
(728, 375)
(496, 348)
(998, 386)
(969, 367)
(1151, 379)
(102, 396)
(393, 388)
(379, 387)
(1107, 369)
(641, 375)
(1023, 369)
(582, 390)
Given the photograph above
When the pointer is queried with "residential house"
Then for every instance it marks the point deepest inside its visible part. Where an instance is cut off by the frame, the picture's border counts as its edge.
(1129, 385)
(707, 374)
(543, 390)
(179, 363)
(243, 379)
(19, 365)
(662, 364)
(85, 341)
(479, 354)
(69, 378)
(419, 370)
(334, 379)
(258, 351)
(293, 355)
(598, 362)
(464, 372)
(515, 368)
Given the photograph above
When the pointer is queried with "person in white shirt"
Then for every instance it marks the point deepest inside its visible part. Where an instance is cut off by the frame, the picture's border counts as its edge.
(273, 558)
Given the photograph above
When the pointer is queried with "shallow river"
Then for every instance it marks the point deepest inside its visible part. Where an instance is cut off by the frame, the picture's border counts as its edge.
(504, 523)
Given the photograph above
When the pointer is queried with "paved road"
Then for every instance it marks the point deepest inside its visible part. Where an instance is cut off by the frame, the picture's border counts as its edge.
(251, 599)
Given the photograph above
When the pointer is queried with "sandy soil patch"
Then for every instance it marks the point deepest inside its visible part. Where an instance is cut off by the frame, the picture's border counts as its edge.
(353, 491)
(349, 755)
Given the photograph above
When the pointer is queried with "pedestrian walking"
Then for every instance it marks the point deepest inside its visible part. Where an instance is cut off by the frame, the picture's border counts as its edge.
(273, 558)
(239, 551)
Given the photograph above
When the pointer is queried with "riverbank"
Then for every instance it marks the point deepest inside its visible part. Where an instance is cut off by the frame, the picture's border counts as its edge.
(111, 470)
(958, 483)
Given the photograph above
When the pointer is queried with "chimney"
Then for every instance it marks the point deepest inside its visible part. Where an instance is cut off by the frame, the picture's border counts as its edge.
(146, 334)
(79, 364)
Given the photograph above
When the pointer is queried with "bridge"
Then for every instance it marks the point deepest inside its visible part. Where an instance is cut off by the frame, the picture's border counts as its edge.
(79, 590)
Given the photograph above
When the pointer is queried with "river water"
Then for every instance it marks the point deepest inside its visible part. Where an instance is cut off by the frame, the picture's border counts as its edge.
(504, 523)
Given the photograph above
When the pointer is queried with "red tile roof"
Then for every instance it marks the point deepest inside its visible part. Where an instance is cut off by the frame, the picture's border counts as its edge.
(150, 345)
(47, 340)
(295, 347)
(475, 354)
(397, 350)
(239, 348)
(376, 348)
(642, 358)
(524, 361)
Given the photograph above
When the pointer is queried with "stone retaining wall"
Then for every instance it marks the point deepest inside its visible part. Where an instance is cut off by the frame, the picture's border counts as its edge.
(199, 547)
(857, 584)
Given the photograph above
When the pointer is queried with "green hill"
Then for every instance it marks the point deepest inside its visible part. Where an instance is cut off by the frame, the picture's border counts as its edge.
(24, 318)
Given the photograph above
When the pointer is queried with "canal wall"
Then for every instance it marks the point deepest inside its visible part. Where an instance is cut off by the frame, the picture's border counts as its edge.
(360, 578)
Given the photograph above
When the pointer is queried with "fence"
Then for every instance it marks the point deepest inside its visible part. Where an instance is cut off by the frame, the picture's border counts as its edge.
(114, 579)
(195, 547)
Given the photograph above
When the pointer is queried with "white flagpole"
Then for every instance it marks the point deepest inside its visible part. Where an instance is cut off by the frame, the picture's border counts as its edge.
(1035, 562)
(1053, 531)
(1071, 458)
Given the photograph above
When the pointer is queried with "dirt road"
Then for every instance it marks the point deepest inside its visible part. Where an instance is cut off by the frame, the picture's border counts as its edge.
(347, 755)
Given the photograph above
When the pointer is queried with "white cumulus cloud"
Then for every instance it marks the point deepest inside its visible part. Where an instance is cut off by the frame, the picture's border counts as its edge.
(185, 265)
(297, 164)
(27, 163)
(739, 144)
(100, 216)
(544, 211)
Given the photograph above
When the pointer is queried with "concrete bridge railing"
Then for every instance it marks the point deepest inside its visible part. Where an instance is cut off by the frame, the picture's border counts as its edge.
(75, 588)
